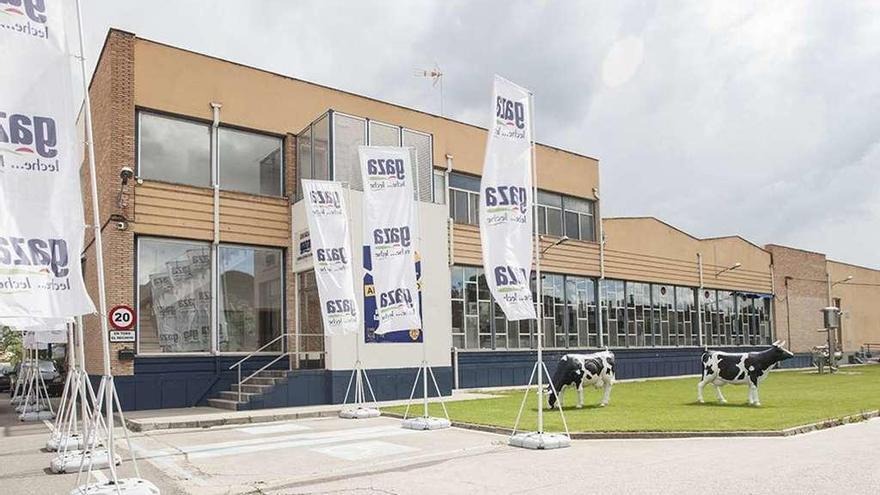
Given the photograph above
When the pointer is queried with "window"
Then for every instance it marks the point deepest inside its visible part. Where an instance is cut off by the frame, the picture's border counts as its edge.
(174, 296)
(250, 298)
(662, 314)
(174, 150)
(384, 134)
(708, 305)
(565, 215)
(439, 187)
(638, 307)
(422, 160)
(726, 317)
(250, 162)
(614, 316)
(310, 335)
(321, 148)
(685, 318)
(303, 157)
(348, 133)
(464, 199)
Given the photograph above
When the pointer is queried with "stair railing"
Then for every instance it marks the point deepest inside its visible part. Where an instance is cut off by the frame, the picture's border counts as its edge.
(238, 364)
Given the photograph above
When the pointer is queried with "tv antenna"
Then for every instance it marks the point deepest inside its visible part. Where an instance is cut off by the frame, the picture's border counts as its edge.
(436, 76)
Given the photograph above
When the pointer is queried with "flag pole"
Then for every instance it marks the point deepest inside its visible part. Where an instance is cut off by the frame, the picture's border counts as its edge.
(114, 484)
(537, 257)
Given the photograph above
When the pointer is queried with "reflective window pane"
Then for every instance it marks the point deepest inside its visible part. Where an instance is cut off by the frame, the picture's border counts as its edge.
(321, 149)
(572, 227)
(439, 187)
(554, 222)
(250, 292)
(422, 160)
(384, 134)
(250, 162)
(303, 158)
(174, 296)
(174, 150)
(348, 134)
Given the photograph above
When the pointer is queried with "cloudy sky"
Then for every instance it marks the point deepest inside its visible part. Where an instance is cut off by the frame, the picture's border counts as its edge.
(753, 118)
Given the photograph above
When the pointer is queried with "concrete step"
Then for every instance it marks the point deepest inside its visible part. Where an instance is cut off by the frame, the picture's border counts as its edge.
(233, 396)
(225, 404)
(252, 389)
(263, 381)
(272, 374)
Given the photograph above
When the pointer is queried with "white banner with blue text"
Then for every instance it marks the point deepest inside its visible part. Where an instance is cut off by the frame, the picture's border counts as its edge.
(41, 210)
(506, 202)
(331, 253)
(390, 232)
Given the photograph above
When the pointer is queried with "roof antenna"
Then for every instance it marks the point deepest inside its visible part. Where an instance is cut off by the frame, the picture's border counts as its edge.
(437, 77)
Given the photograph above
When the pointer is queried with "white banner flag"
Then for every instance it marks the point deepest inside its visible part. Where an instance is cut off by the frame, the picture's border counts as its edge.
(390, 232)
(331, 252)
(41, 212)
(506, 202)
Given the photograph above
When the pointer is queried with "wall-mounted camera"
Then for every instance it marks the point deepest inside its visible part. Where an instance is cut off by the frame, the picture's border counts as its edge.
(126, 174)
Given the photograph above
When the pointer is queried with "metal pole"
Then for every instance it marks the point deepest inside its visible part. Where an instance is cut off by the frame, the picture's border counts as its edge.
(601, 279)
(537, 257)
(699, 302)
(99, 247)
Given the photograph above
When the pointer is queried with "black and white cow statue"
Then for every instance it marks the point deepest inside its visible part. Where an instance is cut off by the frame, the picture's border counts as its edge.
(721, 368)
(583, 369)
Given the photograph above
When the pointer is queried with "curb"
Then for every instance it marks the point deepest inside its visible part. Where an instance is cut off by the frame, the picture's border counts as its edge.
(642, 435)
(138, 426)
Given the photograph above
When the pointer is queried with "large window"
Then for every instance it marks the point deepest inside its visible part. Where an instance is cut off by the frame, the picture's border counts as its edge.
(310, 337)
(614, 312)
(178, 150)
(250, 294)
(250, 162)
(174, 150)
(174, 297)
(326, 155)
(638, 307)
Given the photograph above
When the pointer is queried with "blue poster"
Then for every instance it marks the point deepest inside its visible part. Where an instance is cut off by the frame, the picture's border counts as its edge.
(370, 321)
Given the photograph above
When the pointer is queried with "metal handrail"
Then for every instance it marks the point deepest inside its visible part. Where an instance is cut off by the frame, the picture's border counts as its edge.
(252, 354)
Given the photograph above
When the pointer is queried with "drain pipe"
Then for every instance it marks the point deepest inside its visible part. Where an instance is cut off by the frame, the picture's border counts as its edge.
(699, 300)
(598, 210)
(215, 182)
(450, 223)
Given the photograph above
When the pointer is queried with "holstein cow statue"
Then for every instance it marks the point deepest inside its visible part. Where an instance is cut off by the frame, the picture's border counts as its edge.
(578, 369)
(721, 368)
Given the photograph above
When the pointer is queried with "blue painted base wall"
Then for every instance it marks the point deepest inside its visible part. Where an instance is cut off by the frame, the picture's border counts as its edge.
(174, 382)
(498, 369)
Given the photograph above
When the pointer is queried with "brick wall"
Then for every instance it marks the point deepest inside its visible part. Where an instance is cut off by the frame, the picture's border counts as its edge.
(290, 286)
(805, 295)
(112, 98)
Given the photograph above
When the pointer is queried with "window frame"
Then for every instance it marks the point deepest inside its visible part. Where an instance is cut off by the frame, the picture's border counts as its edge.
(283, 176)
(215, 344)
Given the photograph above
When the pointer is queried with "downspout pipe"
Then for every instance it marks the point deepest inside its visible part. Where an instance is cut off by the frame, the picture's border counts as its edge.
(449, 220)
(699, 301)
(601, 267)
(215, 183)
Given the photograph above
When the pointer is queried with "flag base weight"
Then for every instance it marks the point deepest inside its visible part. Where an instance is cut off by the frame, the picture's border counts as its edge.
(359, 413)
(426, 423)
(539, 441)
(70, 461)
(36, 416)
(126, 486)
(65, 442)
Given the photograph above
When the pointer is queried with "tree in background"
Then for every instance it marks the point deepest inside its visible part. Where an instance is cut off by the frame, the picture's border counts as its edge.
(10, 345)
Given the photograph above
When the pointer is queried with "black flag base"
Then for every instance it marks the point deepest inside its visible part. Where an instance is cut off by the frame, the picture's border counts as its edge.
(539, 440)
(359, 408)
(425, 421)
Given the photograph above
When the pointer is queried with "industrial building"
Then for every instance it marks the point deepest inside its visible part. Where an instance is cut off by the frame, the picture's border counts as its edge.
(209, 244)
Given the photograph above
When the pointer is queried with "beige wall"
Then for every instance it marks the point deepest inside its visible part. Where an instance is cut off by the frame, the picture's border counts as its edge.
(177, 81)
(804, 294)
(859, 301)
(647, 249)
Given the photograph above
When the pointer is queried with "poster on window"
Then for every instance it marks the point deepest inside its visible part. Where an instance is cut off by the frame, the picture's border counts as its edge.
(391, 233)
(331, 254)
(181, 298)
(41, 225)
(506, 202)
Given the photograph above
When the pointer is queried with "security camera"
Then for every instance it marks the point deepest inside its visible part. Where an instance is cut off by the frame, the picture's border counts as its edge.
(126, 174)
(121, 225)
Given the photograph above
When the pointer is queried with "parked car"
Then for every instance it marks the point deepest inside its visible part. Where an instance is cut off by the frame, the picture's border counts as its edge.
(5, 380)
(51, 376)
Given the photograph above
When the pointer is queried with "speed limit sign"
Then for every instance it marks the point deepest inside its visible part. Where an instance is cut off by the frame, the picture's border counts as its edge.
(122, 317)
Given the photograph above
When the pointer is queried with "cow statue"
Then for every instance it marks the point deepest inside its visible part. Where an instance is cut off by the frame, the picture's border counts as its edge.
(721, 368)
(578, 369)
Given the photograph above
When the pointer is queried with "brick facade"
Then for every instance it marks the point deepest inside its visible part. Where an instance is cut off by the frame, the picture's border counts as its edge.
(800, 283)
(112, 99)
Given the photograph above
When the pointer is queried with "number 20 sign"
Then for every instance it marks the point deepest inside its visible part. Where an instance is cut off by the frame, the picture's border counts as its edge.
(122, 317)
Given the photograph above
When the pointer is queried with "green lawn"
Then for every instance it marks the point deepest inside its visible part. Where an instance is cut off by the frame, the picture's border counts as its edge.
(788, 398)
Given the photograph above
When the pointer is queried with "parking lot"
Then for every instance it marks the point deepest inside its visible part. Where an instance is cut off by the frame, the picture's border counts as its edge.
(330, 455)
